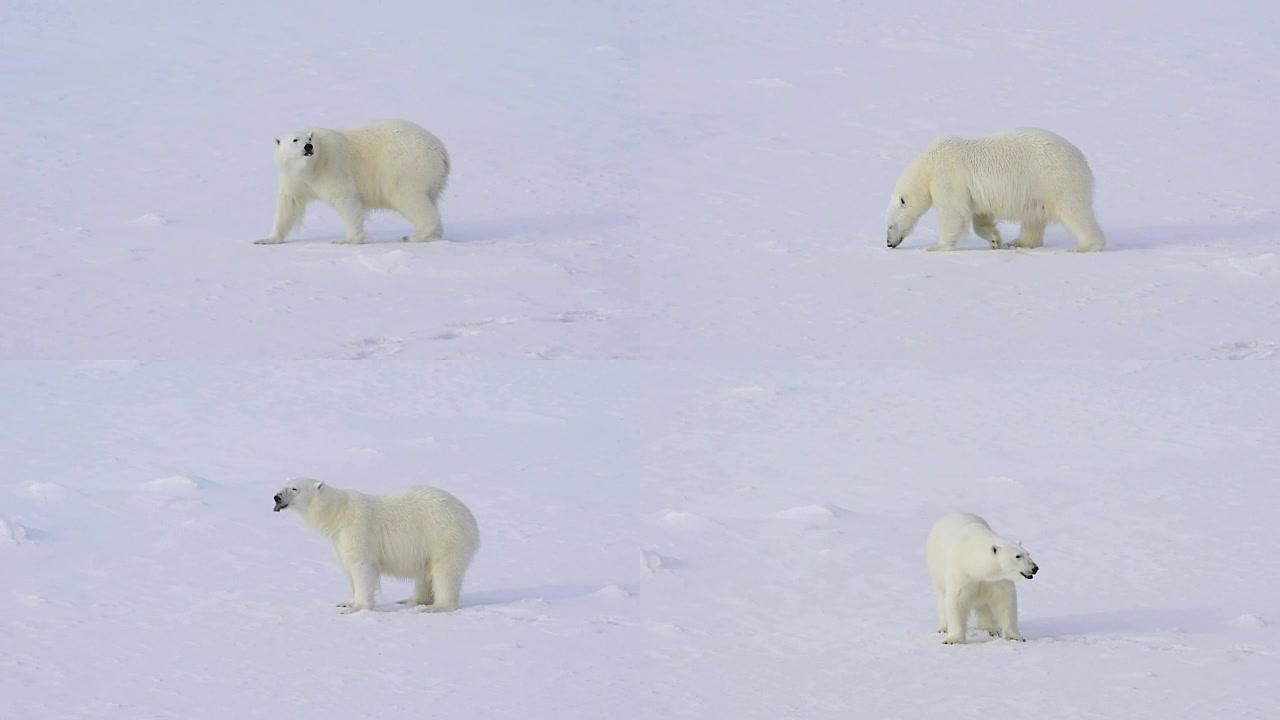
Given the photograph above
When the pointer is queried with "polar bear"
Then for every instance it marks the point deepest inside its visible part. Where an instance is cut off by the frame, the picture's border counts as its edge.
(1027, 175)
(384, 164)
(973, 569)
(421, 533)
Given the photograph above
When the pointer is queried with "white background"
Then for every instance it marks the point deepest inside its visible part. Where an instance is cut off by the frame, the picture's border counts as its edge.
(703, 415)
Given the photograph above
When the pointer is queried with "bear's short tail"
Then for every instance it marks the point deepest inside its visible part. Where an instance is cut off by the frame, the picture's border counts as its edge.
(444, 182)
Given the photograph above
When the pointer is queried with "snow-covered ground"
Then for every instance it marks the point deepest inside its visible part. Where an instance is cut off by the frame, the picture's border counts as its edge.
(704, 417)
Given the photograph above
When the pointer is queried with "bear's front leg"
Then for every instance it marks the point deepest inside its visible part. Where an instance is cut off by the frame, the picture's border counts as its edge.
(985, 227)
(953, 225)
(364, 583)
(957, 614)
(1004, 605)
(288, 211)
(351, 210)
(351, 584)
(942, 611)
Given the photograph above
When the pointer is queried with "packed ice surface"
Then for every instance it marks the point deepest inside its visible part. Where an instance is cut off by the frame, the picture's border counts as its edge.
(704, 416)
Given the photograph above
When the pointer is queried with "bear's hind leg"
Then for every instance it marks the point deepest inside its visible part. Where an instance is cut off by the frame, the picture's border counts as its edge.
(1030, 235)
(985, 227)
(987, 619)
(422, 590)
(424, 216)
(1080, 222)
(446, 581)
(422, 212)
(940, 593)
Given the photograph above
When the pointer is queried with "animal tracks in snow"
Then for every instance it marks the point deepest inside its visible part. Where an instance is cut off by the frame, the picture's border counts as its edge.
(572, 316)
(1246, 350)
(13, 533)
(455, 330)
(657, 563)
(468, 328)
(373, 348)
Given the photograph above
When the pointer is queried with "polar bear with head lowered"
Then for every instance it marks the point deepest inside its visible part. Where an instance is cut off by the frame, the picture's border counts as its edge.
(1028, 175)
(973, 569)
(420, 533)
(384, 164)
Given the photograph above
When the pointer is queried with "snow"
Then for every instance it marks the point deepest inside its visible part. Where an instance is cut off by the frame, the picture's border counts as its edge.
(704, 417)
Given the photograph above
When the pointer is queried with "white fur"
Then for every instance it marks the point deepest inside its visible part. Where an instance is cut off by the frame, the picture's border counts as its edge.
(1027, 175)
(384, 164)
(973, 569)
(421, 533)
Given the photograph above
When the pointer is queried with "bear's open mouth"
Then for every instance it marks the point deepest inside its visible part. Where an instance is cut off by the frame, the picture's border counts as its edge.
(280, 506)
(1026, 575)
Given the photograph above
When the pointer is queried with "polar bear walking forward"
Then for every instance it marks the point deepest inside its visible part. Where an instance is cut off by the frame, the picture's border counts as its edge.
(1027, 175)
(973, 569)
(384, 164)
(420, 533)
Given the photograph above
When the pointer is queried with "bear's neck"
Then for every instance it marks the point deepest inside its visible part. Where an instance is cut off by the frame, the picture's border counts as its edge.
(326, 511)
(922, 177)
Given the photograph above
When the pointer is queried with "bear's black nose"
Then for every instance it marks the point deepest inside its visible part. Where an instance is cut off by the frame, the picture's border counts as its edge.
(307, 149)
(277, 499)
(1035, 569)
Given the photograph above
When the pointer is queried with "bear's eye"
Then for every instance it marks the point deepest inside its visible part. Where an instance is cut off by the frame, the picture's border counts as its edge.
(1017, 557)
(903, 201)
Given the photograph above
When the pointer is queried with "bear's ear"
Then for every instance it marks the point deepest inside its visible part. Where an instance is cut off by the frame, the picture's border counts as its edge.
(319, 484)
(277, 140)
(309, 134)
(995, 549)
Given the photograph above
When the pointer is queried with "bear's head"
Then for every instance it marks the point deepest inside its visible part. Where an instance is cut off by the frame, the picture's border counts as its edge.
(295, 151)
(911, 199)
(1012, 561)
(905, 209)
(298, 493)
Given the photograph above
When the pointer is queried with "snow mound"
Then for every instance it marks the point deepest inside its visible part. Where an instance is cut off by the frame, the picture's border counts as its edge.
(46, 491)
(1256, 266)
(175, 485)
(811, 514)
(150, 220)
(611, 592)
(681, 520)
(1249, 621)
